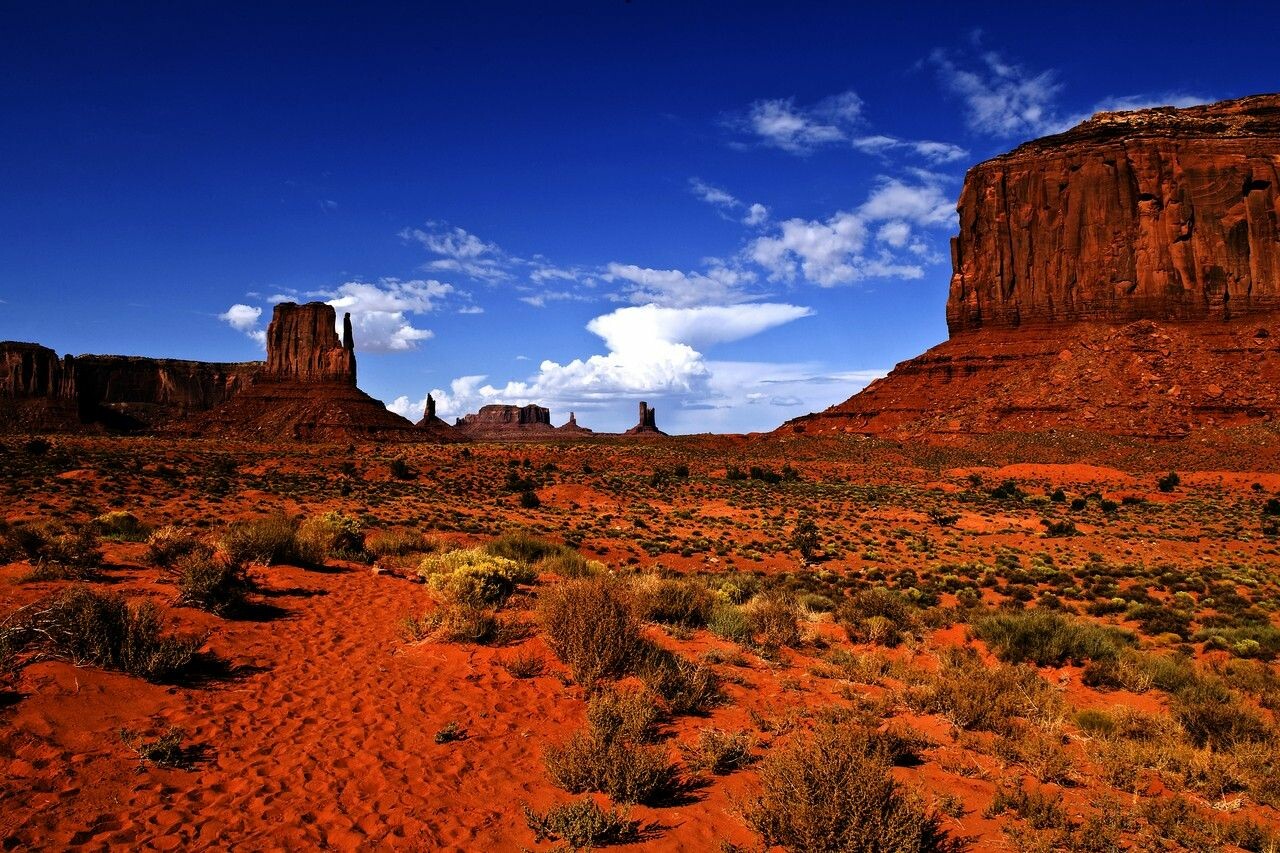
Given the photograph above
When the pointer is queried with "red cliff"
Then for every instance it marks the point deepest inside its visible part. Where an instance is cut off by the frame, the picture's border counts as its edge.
(303, 345)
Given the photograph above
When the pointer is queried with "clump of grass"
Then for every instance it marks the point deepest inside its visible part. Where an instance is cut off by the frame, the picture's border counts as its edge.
(330, 534)
(168, 543)
(474, 577)
(1040, 810)
(395, 543)
(717, 751)
(455, 622)
(612, 754)
(583, 825)
(210, 582)
(163, 751)
(685, 686)
(975, 696)
(269, 540)
(591, 625)
(100, 629)
(121, 526)
(773, 621)
(523, 664)
(831, 790)
(1045, 638)
(681, 602)
(877, 615)
(55, 551)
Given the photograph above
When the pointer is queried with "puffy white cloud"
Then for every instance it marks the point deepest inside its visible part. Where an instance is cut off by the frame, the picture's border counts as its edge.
(718, 285)
(844, 248)
(780, 123)
(245, 318)
(653, 351)
(757, 214)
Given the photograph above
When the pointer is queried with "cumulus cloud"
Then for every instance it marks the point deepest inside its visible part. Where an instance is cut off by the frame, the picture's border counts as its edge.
(1004, 99)
(845, 248)
(652, 350)
(245, 318)
(781, 123)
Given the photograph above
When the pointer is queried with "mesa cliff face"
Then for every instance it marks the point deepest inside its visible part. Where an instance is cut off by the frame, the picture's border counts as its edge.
(1122, 277)
(1160, 214)
(303, 345)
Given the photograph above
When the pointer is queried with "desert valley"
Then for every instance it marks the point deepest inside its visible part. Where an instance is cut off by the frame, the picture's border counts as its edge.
(1021, 593)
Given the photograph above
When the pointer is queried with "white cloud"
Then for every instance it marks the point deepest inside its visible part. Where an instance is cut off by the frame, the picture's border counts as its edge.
(718, 285)
(843, 248)
(780, 123)
(460, 251)
(1005, 100)
(244, 318)
(757, 214)
(933, 152)
(653, 351)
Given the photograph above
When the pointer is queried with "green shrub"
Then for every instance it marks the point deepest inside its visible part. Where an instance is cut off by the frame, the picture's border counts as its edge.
(730, 622)
(395, 543)
(99, 629)
(474, 577)
(1213, 715)
(525, 547)
(686, 687)
(269, 540)
(975, 696)
(400, 469)
(831, 790)
(582, 825)
(1169, 482)
(674, 601)
(1247, 641)
(120, 525)
(1095, 722)
(330, 534)
(166, 544)
(1047, 638)
(773, 622)
(211, 583)
(592, 626)
(877, 615)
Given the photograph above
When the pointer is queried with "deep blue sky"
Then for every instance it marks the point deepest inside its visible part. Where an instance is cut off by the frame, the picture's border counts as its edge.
(162, 162)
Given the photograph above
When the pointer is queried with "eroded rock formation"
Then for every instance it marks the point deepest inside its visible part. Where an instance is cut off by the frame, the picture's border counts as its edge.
(1162, 214)
(498, 421)
(647, 424)
(303, 345)
(1122, 277)
(572, 426)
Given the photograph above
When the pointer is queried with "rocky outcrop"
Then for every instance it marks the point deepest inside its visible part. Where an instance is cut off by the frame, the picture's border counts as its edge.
(303, 345)
(307, 390)
(572, 427)
(39, 391)
(499, 421)
(1122, 277)
(1161, 214)
(434, 426)
(647, 423)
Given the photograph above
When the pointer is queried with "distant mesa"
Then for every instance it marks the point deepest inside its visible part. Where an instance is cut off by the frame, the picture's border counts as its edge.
(573, 427)
(647, 423)
(499, 421)
(1122, 277)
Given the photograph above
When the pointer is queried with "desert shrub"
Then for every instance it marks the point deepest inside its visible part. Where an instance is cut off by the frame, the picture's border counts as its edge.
(876, 615)
(269, 540)
(1160, 619)
(805, 538)
(211, 583)
(57, 552)
(400, 469)
(1039, 809)
(1048, 638)
(674, 601)
(685, 686)
(582, 825)
(166, 544)
(163, 751)
(610, 755)
(1247, 641)
(1168, 482)
(568, 563)
(523, 664)
(831, 791)
(454, 622)
(524, 547)
(973, 695)
(450, 732)
(1009, 490)
(329, 534)
(99, 629)
(529, 499)
(120, 525)
(1059, 528)
(773, 622)
(1095, 722)
(628, 714)
(717, 751)
(730, 622)
(1213, 715)
(395, 543)
(591, 625)
(474, 577)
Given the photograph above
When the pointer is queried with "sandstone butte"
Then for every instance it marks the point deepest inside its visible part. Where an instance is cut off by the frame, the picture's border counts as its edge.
(512, 422)
(647, 423)
(1122, 277)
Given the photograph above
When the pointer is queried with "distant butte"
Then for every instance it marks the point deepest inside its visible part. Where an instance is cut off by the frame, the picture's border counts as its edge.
(1122, 277)
(647, 423)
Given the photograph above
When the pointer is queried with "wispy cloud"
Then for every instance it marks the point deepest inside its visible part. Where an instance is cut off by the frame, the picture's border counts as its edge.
(730, 206)
(781, 123)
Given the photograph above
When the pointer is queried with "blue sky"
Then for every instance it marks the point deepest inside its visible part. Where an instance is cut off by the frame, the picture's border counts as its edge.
(738, 212)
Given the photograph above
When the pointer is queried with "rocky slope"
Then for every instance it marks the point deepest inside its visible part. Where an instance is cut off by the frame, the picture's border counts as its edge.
(1122, 277)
